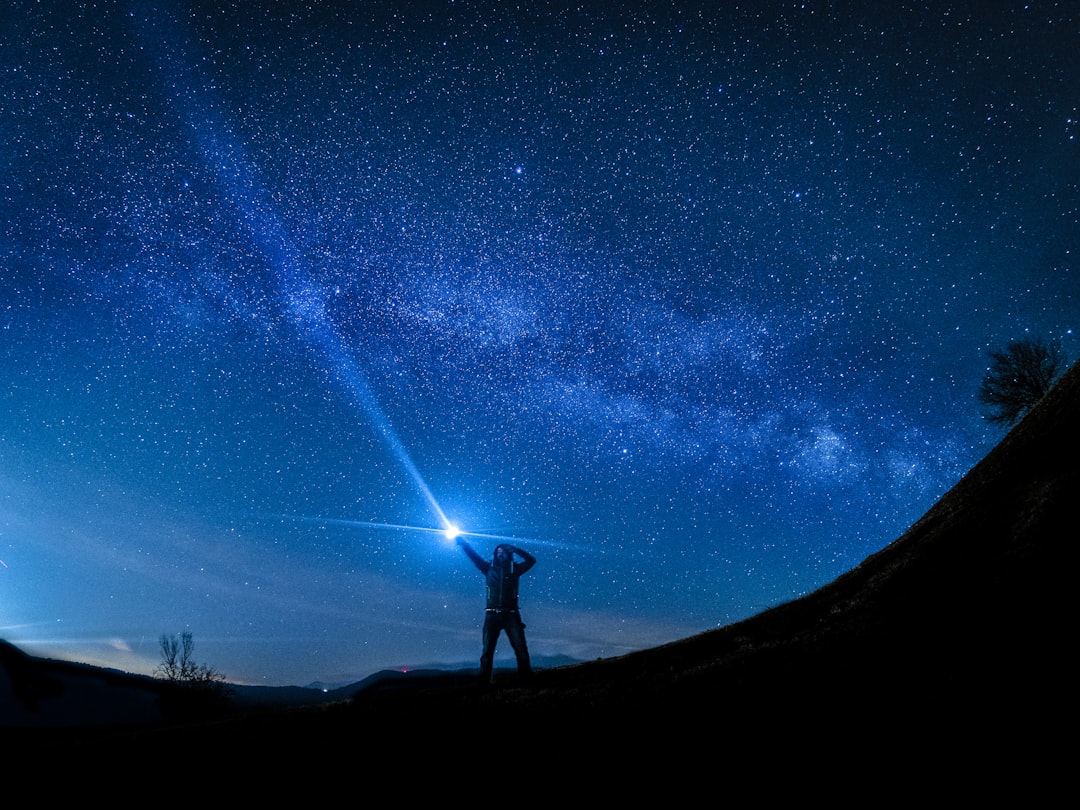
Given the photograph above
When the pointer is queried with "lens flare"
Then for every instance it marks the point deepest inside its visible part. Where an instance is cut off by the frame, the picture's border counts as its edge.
(449, 532)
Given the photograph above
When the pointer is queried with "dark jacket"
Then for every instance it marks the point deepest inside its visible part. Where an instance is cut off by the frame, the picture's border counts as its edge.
(502, 582)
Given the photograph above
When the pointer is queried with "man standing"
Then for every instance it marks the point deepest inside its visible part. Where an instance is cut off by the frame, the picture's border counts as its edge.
(502, 612)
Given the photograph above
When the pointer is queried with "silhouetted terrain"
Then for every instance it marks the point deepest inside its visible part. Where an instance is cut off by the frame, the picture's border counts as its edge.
(944, 653)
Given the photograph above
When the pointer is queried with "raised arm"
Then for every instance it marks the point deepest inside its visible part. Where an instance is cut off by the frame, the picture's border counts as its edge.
(478, 561)
(528, 560)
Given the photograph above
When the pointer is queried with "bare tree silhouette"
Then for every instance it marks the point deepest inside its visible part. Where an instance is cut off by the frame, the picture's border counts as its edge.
(1019, 376)
(194, 688)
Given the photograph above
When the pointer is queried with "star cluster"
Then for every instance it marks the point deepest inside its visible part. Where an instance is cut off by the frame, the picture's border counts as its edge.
(695, 301)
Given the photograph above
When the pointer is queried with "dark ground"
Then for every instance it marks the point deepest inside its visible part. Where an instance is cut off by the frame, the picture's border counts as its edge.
(938, 668)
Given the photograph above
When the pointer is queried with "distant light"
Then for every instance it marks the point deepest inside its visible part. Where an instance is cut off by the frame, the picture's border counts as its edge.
(451, 531)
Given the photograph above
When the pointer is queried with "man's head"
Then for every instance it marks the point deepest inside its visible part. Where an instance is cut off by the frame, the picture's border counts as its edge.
(503, 555)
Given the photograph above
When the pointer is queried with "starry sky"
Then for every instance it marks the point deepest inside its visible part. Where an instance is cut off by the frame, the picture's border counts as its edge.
(691, 301)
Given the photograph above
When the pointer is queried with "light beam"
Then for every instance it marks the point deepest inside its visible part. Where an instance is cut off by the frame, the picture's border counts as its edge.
(301, 300)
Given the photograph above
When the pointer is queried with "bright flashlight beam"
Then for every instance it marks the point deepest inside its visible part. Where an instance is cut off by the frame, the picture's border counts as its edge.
(356, 384)
(302, 301)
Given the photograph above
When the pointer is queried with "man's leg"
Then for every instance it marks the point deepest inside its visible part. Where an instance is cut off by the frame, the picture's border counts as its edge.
(487, 654)
(515, 631)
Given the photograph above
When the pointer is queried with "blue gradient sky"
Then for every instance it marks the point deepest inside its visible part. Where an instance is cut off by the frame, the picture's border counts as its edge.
(692, 303)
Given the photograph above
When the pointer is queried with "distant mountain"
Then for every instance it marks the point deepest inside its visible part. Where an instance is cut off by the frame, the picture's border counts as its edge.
(350, 687)
(44, 693)
(47, 693)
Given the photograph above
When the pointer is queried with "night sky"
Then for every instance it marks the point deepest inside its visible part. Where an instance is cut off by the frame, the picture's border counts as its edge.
(691, 304)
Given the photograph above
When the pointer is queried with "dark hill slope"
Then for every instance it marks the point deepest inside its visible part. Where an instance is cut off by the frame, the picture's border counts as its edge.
(946, 646)
(963, 617)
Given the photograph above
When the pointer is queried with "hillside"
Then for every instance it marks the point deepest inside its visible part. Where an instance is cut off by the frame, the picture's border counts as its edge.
(947, 646)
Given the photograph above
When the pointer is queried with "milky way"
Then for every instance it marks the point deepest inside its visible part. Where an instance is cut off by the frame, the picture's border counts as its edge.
(693, 304)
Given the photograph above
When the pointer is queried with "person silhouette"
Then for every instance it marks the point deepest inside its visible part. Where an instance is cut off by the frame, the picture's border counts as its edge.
(502, 613)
